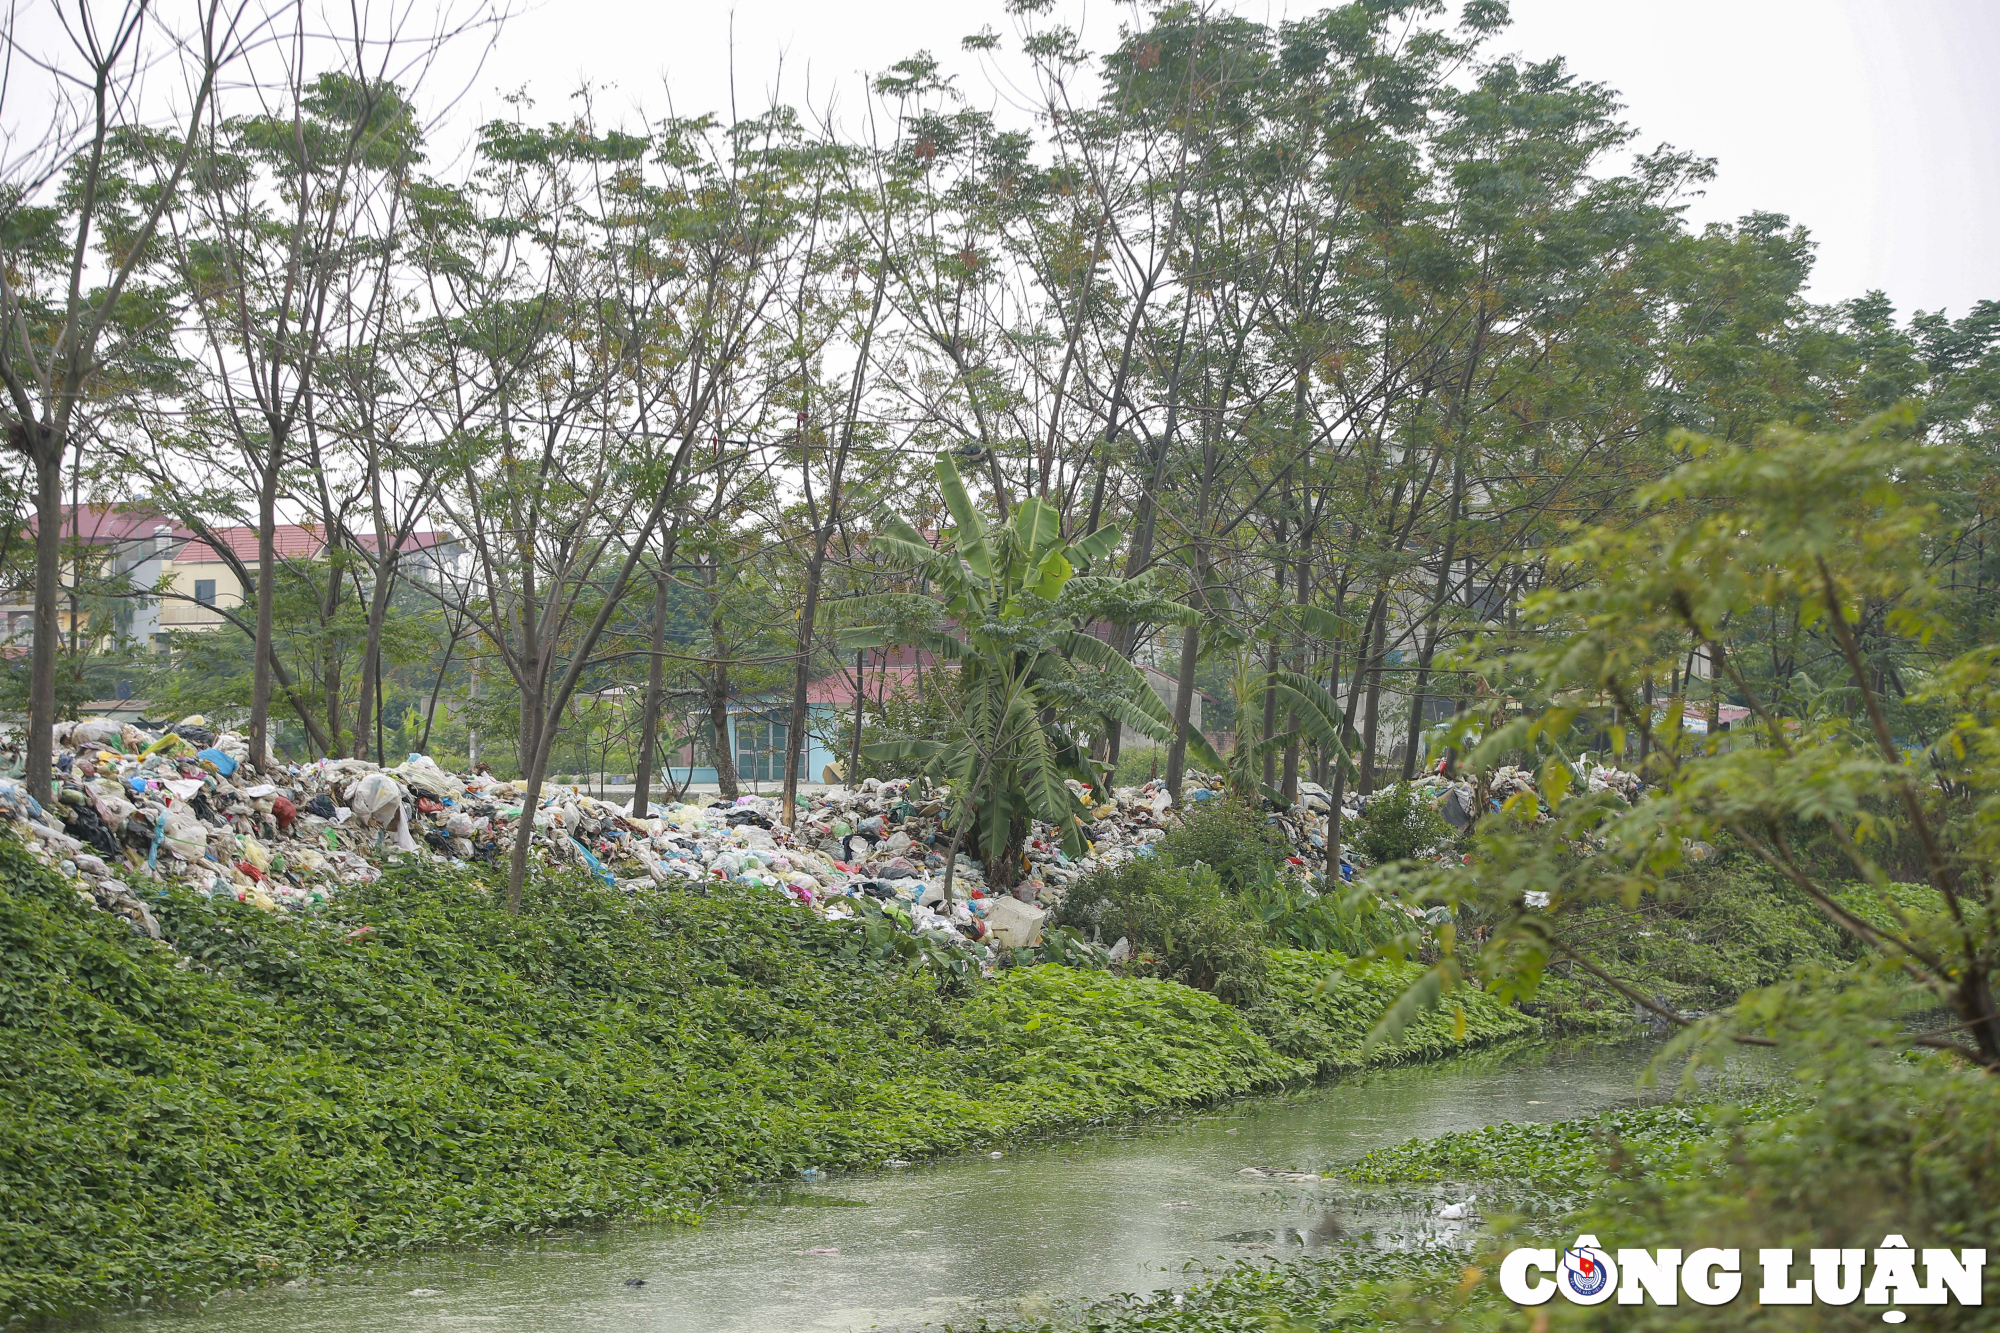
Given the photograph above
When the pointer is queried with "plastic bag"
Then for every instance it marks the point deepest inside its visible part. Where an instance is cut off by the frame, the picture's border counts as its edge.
(375, 799)
(97, 731)
(186, 836)
(421, 773)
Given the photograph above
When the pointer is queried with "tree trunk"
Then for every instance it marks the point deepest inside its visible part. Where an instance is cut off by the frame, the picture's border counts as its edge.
(1374, 704)
(1270, 719)
(1011, 867)
(368, 709)
(1415, 732)
(1646, 732)
(1439, 594)
(330, 676)
(531, 771)
(1290, 789)
(1183, 709)
(1336, 788)
(718, 721)
(1270, 715)
(854, 742)
(717, 688)
(330, 686)
(267, 598)
(649, 725)
(1114, 730)
(795, 734)
(47, 455)
(437, 687)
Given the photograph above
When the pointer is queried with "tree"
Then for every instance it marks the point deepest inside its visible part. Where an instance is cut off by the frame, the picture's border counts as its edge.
(1848, 769)
(1023, 666)
(608, 319)
(79, 215)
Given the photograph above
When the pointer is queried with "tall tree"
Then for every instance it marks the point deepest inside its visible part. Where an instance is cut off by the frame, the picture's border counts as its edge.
(80, 212)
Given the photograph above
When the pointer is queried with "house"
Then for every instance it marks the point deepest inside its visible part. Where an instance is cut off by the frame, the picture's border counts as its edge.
(128, 542)
(759, 726)
(203, 584)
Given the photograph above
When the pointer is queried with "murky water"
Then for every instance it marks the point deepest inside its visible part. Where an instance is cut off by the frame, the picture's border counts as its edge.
(1123, 1209)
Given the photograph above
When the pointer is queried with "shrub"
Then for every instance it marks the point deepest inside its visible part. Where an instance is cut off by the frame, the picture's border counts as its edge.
(1319, 1009)
(1139, 763)
(1230, 837)
(1294, 916)
(1399, 825)
(1179, 921)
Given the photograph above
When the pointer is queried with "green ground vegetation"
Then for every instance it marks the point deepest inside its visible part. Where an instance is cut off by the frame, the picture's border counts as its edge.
(262, 1095)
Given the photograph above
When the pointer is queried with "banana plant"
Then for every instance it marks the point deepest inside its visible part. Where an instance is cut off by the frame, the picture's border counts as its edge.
(1318, 718)
(1311, 705)
(1010, 595)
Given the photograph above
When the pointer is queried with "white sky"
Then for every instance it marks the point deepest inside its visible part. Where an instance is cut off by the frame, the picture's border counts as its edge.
(1876, 123)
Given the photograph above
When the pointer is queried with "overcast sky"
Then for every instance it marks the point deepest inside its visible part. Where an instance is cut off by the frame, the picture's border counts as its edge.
(1876, 123)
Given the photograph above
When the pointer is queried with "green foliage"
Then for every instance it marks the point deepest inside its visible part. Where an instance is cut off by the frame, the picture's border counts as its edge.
(1567, 1153)
(1321, 1008)
(1297, 917)
(1139, 764)
(931, 710)
(1024, 668)
(1093, 1044)
(1798, 549)
(1230, 837)
(1354, 1288)
(1180, 922)
(1398, 825)
(1720, 929)
(1908, 1146)
(415, 1065)
(1203, 905)
(303, 1094)
(1313, 715)
(1801, 531)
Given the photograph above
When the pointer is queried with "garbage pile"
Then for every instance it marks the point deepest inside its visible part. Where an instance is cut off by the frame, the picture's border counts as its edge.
(1456, 799)
(140, 805)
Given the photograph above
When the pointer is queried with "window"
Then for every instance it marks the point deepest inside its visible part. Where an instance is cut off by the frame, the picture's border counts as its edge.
(760, 749)
(204, 591)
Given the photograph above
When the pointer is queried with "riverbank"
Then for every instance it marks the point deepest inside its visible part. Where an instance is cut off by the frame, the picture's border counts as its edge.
(1060, 1219)
(260, 1096)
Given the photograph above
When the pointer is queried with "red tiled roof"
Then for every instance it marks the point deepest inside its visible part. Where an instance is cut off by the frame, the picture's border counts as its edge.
(416, 541)
(294, 542)
(107, 523)
(838, 689)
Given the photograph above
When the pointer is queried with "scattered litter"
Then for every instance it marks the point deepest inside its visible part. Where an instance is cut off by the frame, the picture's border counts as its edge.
(138, 805)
